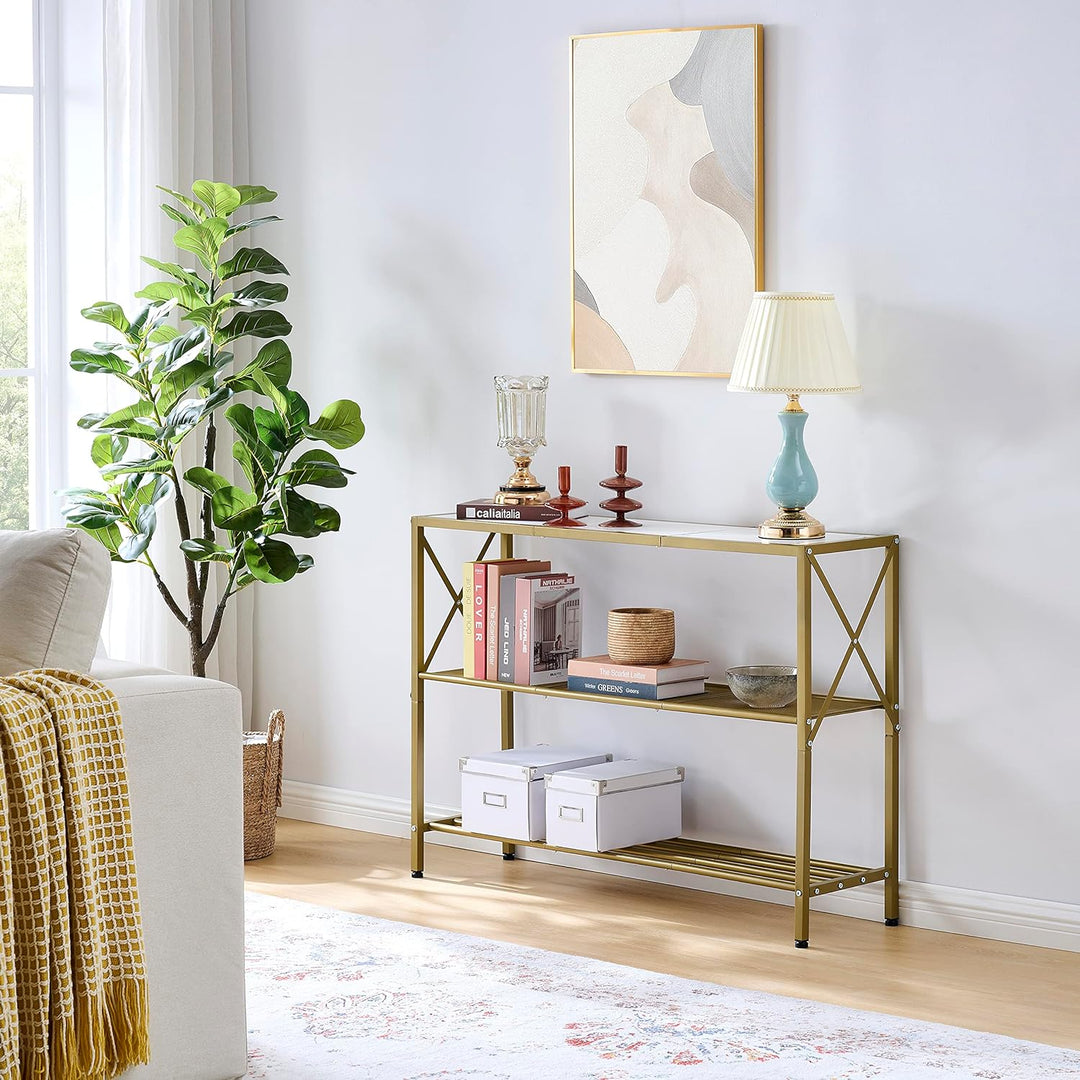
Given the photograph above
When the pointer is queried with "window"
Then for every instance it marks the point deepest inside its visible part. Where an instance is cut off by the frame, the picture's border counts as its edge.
(22, 447)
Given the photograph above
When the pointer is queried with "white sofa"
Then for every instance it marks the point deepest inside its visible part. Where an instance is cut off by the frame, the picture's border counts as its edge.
(183, 740)
(184, 755)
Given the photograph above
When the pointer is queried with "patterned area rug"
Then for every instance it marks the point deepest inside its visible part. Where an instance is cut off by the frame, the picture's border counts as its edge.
(331, 994)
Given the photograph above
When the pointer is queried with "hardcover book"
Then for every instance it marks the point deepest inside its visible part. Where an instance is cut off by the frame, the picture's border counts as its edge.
(603, 667)
(643, 691)
(501, 631)
(468, 665)
(487, 510)
(548, 627)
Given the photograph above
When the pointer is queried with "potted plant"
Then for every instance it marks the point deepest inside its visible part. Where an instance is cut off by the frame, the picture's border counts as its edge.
(176, 357)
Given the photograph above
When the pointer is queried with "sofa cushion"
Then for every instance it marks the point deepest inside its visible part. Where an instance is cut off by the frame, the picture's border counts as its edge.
(54, 585)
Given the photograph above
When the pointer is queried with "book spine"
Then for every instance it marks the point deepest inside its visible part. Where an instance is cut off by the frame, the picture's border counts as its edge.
(507, 625)
(583, 684)
(479, 620)
(590, 669)
(469, 512)
(523, 631)
(468, 665)
(491, 659)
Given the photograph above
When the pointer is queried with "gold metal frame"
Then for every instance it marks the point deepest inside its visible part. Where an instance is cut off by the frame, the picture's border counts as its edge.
(759, 185)
(798, 873)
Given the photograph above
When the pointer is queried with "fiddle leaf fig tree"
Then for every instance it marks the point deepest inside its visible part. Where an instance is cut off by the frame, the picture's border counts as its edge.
(176, 357)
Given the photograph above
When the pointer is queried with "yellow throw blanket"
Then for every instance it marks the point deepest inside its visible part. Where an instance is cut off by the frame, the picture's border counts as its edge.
(72, 981)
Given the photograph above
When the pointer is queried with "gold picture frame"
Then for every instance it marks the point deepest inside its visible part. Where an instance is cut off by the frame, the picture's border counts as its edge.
(682, 313)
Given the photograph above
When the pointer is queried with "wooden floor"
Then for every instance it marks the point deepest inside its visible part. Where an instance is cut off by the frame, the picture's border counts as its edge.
(1016, 990)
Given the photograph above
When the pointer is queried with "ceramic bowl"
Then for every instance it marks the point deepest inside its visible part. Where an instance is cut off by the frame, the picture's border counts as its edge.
(763, 686)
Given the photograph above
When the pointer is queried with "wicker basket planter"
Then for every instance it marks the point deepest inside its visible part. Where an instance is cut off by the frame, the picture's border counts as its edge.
(263, 759)
(641, 635)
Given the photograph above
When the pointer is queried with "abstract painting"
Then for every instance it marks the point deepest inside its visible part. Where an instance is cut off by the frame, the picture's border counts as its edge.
(667, 198)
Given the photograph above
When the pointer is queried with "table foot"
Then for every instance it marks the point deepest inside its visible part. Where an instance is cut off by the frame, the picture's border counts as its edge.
(892, 922)
(802, 943)
(508, 856)
(418, 873)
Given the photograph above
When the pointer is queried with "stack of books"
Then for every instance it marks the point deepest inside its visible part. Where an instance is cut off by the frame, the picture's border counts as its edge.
(522, 621)
(650, 682)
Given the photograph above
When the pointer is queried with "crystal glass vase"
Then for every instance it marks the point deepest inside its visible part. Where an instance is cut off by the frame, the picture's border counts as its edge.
(521, 403)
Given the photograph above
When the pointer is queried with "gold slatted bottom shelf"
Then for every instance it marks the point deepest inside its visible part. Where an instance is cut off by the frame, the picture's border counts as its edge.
(748, 865)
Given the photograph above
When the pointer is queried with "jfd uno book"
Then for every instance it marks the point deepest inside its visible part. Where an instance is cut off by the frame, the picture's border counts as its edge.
(548, 627)
(501, 632)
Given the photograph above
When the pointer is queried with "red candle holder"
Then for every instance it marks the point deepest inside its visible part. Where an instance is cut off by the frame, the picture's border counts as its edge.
(565, 502)
(620, 483)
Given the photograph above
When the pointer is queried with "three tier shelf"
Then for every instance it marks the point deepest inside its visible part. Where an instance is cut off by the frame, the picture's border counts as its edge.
(799, 873)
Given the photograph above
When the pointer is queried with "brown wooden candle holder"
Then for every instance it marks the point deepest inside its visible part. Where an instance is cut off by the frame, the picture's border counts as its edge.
(620, 483)
(565, 503)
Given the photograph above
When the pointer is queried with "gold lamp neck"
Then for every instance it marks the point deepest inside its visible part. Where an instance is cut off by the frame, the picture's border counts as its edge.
(793, 404)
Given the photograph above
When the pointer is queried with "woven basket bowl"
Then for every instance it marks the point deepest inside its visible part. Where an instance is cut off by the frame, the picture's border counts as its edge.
(641, 635)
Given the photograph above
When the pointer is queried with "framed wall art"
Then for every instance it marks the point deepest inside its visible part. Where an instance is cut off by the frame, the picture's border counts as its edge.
(667, 220)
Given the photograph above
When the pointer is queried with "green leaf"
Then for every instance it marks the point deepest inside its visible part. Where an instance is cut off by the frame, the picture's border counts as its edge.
(243, 421)
(235, 510)
(298, 513)
(298, 413)
(90, 518)
(339, 424)
(162, 334)
(187, 277)
(123, 417)
(205, 551)
(203, 240)
(110, 536)
(176, 384)
(267, 387)
(271, 429)
(255, 193)
(98, 361)
(327, 519)
(104, 311)
(275, 361)
(107, 450)
(265, 324)
(181, 350)
(133, 547)
(250, 261)
(144, 465)
(154, 492)
(270, 560)
(179, 215)
(184, 200)
(244, 459)
(184, 295)
(90, 420)
(320, 468)
(220, 199)
(306, 562)
(254, 223)
(262, 293)
(206, 480)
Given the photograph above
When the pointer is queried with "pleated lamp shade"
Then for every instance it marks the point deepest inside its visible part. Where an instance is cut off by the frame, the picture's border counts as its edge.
(794, 343)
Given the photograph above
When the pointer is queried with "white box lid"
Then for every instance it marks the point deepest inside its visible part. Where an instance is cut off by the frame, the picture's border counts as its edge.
(530, 762)
(626, 775)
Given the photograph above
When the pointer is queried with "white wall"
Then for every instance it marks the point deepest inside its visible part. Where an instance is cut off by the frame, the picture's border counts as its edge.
(921, 161)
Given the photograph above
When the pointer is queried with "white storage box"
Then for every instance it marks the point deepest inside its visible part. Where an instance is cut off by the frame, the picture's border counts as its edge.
(502, 794)
(614, 805)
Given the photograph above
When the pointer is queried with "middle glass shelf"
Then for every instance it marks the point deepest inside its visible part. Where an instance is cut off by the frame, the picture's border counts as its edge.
(717, 700)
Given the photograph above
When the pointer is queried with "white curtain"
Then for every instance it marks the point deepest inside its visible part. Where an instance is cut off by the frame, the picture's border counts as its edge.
(175, 107)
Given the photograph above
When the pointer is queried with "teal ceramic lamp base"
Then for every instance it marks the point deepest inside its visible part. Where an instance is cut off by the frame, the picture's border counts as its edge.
(792, 483)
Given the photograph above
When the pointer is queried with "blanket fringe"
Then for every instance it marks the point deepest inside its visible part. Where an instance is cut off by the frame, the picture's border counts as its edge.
(110, 1033)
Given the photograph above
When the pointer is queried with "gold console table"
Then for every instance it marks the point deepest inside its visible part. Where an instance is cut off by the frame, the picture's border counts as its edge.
(798, 873)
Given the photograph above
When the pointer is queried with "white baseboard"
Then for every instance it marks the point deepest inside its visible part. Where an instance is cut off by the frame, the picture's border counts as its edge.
(931, 907)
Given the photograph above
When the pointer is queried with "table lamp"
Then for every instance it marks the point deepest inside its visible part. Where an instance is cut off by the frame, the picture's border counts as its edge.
(793, 343)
